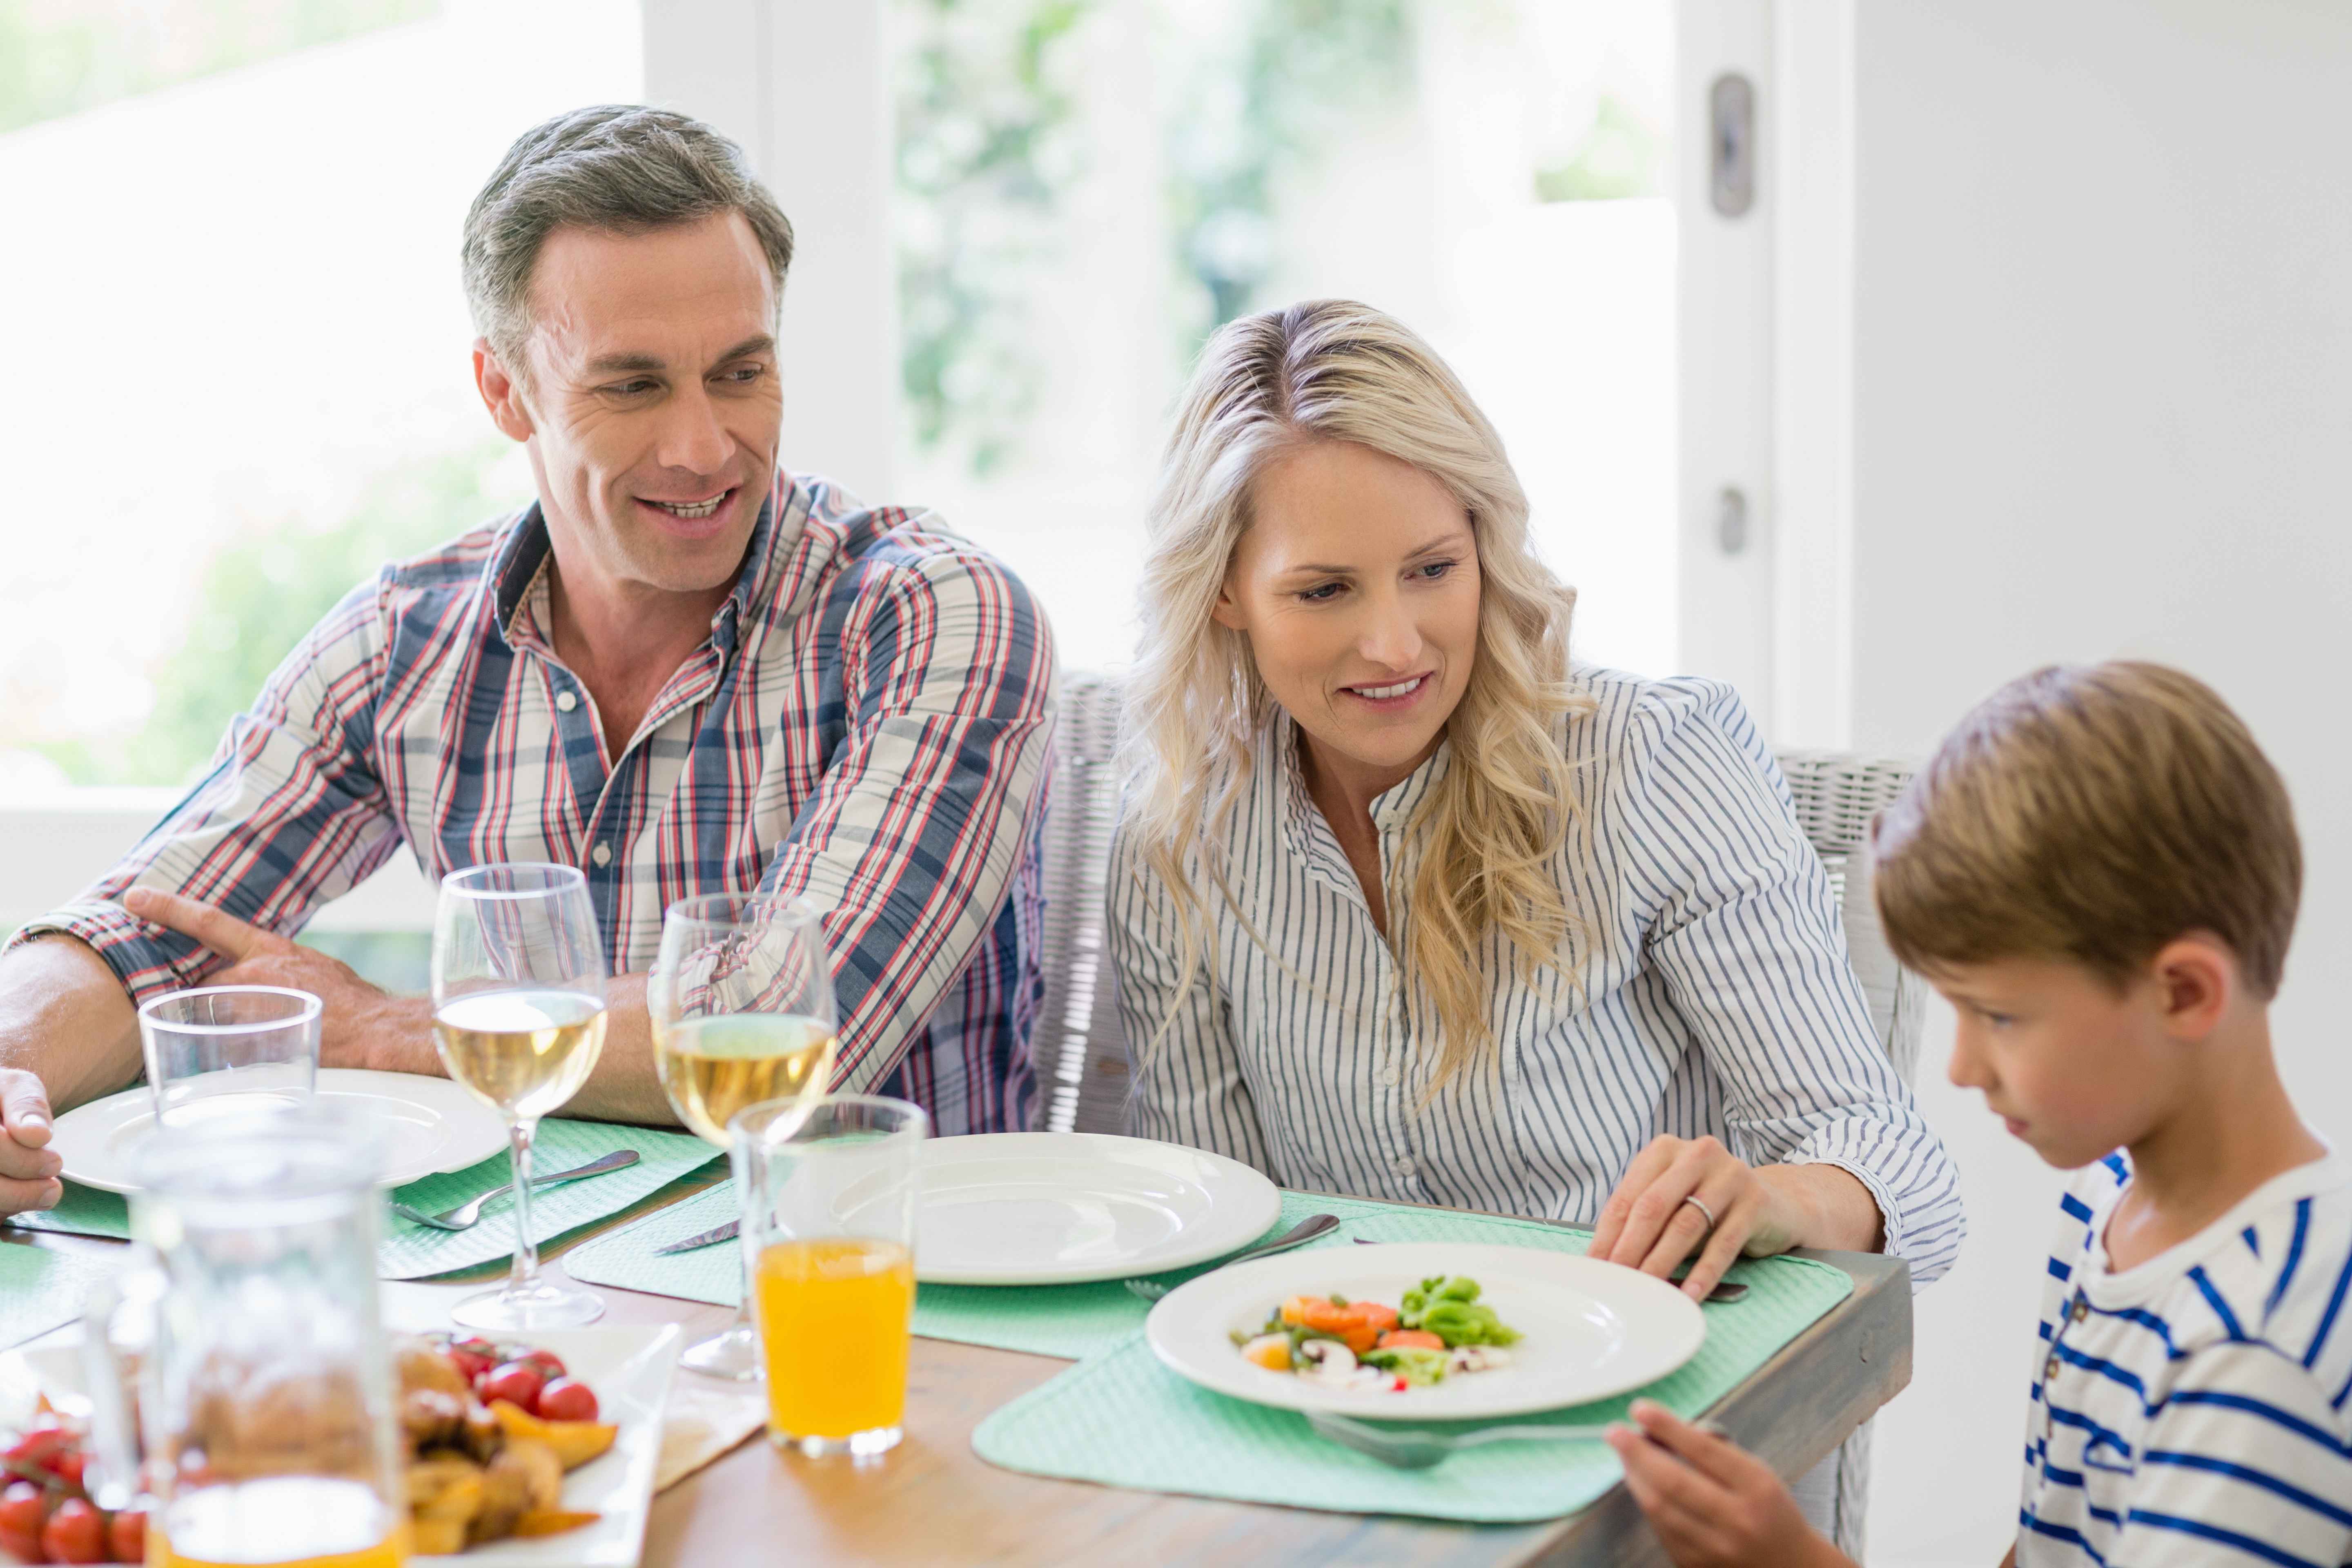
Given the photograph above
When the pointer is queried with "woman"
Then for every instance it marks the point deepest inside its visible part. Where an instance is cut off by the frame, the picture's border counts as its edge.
(1404, 907)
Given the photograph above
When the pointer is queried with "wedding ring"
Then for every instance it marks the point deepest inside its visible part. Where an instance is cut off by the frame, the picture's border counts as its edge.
(1700, 1204)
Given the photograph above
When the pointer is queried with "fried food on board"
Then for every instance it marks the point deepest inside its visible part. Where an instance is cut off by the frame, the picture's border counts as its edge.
(484, 1471)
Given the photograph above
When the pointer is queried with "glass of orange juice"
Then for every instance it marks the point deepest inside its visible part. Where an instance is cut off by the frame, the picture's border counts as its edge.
(829, 1242)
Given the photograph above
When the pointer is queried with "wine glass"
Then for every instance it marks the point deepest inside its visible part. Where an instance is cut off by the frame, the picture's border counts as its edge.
(741, 1000)
(519, 1015)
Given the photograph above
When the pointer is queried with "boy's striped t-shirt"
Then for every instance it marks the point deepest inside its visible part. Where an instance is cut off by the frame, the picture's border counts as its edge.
(2196, 1408)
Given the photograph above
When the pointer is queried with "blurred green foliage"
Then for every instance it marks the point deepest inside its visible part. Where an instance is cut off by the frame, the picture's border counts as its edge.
(991, 141)
(61, 56)
(1620, 157)
(263, 590)
(1299, 71)
(985, 150)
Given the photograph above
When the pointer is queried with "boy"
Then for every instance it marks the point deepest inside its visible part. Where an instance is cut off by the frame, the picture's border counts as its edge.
(2099, 869)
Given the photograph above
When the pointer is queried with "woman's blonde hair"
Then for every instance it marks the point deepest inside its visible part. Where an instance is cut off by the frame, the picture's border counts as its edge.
(1483, 845)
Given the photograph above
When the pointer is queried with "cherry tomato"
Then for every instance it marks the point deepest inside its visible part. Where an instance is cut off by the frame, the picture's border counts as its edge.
(39, 1446)
(126, 1536)
(470, 1365)
(70, 1465)
(23, 1546)
(75, 1533)
(551, 1367)
(567, 1399)
(518, 1383)
(23, 1510)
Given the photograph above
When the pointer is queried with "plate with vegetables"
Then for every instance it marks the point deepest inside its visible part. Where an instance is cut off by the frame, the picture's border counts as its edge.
(1424, 1331)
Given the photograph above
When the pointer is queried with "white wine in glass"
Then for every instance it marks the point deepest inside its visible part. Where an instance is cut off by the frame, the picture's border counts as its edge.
(742, 1001)
(519, 1015)
(713, 1067)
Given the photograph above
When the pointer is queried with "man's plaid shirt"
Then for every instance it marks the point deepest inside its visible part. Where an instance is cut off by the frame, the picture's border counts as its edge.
(867, 725)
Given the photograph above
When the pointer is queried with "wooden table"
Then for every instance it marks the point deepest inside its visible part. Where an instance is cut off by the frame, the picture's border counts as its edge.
(932, 1502)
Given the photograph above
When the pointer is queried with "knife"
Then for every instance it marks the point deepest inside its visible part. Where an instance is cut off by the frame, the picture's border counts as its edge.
(709, 1237)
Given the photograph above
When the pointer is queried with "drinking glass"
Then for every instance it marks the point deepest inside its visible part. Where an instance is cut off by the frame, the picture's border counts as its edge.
(268, 1412)
(829, 1235)
(228, 1049)
(519, 1015)
(741, 998)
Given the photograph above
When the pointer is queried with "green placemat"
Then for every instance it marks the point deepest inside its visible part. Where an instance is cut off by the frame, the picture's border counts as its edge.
(40, 1289)
(1122, 1420)
(1067, 1321)
(410, 1251)
(83, 1210)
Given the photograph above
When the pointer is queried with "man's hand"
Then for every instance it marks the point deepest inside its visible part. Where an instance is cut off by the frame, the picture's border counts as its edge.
(28, 1169)
(360, 1026)
(1712, 1505)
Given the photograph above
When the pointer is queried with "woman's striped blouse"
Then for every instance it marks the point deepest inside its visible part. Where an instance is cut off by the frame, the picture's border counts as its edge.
(1712, 995)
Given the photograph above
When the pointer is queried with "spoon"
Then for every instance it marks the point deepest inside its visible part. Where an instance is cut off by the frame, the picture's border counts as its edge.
(1298, 1235)
(466, 1215)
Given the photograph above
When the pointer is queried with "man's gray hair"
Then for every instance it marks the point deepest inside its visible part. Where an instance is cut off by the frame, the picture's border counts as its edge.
(620, 168)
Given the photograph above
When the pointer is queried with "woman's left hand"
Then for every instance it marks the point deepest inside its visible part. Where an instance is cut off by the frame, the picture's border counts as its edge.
(1648, 1225)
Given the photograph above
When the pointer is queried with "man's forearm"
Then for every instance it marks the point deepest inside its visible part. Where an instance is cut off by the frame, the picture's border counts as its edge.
(624, 1087)
(66, 1019)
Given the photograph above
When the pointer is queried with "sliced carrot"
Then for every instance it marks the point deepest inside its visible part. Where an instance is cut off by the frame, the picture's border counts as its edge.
(1411, 1339)
(1319, 1314)
(551, 1521)
(1378, 1316)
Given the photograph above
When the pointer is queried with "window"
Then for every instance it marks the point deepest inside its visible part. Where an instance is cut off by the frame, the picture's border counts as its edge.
(1086, 190)
(245, 383)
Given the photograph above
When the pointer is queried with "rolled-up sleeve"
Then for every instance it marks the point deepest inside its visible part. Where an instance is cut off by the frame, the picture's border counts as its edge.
(1745, 935)
(911, 841)
(288, 815)
(1188, 1086)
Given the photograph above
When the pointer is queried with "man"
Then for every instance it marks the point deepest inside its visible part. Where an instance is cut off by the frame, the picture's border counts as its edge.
(683, 670)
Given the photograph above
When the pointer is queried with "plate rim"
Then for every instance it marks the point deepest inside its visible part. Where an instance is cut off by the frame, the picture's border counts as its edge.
(1159, 1327)
(973, 1148)
(462, 1102)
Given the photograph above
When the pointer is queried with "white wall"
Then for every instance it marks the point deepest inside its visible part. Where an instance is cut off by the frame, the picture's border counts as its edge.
(2103, 380)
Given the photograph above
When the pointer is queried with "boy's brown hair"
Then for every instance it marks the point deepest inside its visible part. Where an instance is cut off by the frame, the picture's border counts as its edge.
(2091, 815)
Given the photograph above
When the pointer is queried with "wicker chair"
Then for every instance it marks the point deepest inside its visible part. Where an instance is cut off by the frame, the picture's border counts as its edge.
(1081, 1050)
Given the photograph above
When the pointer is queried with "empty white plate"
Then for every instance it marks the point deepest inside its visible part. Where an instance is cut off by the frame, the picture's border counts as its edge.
(1587, 1329)
(1050, 1208)
(430, 1124)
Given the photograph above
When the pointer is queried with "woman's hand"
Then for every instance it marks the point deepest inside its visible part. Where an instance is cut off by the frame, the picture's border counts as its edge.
(1712, 1504)
(1648, 1222)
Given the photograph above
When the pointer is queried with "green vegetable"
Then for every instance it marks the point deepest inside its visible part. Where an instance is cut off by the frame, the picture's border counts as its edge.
(1416, 1365)
(1448, 1307)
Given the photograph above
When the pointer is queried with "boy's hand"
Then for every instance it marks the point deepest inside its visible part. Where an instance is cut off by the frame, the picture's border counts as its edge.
(1712, 1504)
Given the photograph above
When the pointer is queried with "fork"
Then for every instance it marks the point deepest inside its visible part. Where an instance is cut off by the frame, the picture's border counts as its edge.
(466, 1215)
(1299, 1235)
(1411, 1448)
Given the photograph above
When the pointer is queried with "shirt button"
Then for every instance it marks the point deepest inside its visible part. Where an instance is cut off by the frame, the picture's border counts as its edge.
(2050, 1369)
(1388, 1076)
(565, 702)
(1404, 1166)
(601, 855)
(2082, 1309)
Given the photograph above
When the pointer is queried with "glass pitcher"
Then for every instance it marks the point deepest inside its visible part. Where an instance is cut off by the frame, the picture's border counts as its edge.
(267, 1418)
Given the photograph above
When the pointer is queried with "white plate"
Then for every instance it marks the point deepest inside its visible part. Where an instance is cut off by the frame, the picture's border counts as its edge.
(1046, 1208)
(1587, 1329)
(433, 1124)
(630, 1369)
